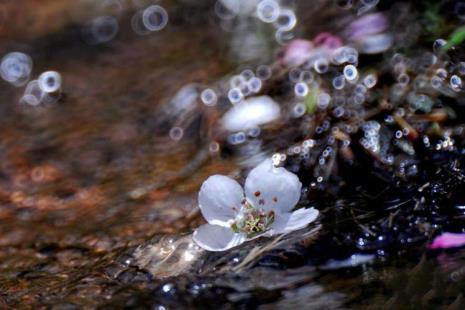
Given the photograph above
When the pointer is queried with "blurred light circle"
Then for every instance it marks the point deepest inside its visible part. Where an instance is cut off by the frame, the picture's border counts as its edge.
(350, 73)
(339, 56)
(351, 54)
(299, 110)
(104, 29)
(237, 138)
(235, 95)
(214, 147)
(50, 81)
(254, 85)
(441, 73)
(263, 72)
(247, 74)
(208, 97)
(306, 76)
(339, 82)
(370, 80)
(360, 89)
(284, 36)
(137, 24)
(301, 89)
(33, 90)
(294, 75)
(155, 18)
(286, 20)
(455, 82)
(16, 68)
(30, 100)
(436, 82)
(321, 65)
(268, 11)
(176, 133)
(438, 44)
(237, 81)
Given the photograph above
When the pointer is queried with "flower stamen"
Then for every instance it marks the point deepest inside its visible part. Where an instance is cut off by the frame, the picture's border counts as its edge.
(254, 222)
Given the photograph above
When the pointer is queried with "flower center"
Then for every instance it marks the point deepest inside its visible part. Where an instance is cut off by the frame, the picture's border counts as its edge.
(252, 221)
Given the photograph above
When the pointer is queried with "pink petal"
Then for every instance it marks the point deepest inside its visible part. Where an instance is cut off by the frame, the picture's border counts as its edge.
(448, 240)
(297, 52)
(328, 40)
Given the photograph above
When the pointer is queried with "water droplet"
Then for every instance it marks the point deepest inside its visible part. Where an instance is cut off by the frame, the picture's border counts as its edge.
(16, 68)
(438, 44)
(370, 80)
(235, 95)
(350, 73)
(155, 18)
(455, 82)
(209, 97)
(50, 81)
(103, 29)
(263, 72)
(254, 84)
(268, 11)
(339, 82)
(176, 133)
(301, 89)
(298, 110)
(286, 20)
(321, 65)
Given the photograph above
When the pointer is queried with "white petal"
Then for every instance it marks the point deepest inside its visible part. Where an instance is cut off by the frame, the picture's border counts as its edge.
(219, 200)
(280, 223)
(251, 113)
(272, 188)
(375, 44)
(285, 223)
(217, 238)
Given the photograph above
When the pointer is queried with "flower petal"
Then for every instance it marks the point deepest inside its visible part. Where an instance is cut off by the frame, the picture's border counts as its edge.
(272, 188)
(297, 52)
(375, 44)
(251, 113)
(217, 238)
(288, 222)
(220, 198)
(300, 219)
(448, 240)
(367, 25)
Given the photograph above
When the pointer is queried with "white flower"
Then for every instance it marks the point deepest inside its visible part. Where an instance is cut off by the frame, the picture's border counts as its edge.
(251, 113)
(263, 210)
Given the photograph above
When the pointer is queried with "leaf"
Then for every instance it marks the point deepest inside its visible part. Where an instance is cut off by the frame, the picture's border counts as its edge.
(456, 38)
(311, 100)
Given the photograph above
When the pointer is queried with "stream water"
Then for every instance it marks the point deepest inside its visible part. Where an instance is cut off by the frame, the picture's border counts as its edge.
(98, 196)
